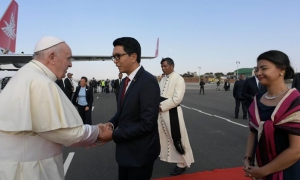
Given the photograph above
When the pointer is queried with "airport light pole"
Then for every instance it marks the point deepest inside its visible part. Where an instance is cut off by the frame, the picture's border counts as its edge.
(199, 73)
(237, 69)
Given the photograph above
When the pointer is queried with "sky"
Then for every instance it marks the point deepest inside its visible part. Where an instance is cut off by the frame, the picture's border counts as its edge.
(210, 34)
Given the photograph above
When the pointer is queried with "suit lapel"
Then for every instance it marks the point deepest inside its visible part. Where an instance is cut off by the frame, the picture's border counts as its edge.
(133, 82)
(255, 84)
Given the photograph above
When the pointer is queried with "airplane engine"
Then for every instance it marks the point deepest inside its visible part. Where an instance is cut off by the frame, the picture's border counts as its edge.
(19, 65)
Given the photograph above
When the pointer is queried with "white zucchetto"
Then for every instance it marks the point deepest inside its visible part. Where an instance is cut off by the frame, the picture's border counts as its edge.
(47, 42)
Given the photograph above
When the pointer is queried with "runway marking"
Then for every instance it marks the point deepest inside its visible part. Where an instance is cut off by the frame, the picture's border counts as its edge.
(68, 162)
(93, 108)
(228, 120)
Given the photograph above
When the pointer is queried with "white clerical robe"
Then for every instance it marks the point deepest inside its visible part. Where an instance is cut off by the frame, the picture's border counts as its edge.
(172, 87)
(36, 121)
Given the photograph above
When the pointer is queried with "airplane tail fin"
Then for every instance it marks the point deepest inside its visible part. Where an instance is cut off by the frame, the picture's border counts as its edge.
(8, 27)
(157, 48)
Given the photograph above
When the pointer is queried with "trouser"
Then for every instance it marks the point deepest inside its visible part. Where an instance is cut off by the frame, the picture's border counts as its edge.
(117, 97)
(237, 107)
(201, 89)
(86, 116)
(103, 87)
(135, 173)
(218, 88)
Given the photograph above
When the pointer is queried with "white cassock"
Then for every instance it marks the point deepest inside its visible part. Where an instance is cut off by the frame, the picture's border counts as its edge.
(36, 121)
(172, 87)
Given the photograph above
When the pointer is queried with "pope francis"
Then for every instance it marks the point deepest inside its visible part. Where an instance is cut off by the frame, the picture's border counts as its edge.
(37, 119)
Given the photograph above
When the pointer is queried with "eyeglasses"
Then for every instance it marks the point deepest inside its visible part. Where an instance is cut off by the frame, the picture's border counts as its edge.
(117, 56)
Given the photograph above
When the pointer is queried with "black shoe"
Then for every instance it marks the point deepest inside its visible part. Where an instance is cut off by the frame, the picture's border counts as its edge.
(177, 170)
(245, 118)
(236, 117)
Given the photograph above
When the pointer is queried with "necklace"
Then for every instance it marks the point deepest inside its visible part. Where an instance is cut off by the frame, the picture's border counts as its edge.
(274, 97)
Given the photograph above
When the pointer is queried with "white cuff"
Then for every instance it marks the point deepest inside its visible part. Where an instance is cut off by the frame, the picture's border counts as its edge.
(89, 136)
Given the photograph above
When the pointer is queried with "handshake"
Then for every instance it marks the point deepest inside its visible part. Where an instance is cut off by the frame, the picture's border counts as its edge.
(105, 133)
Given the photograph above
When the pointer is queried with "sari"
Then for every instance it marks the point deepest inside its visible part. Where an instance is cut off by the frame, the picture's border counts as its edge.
(285, 117)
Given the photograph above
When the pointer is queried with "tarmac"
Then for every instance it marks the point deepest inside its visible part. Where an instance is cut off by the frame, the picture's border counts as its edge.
(218, 140)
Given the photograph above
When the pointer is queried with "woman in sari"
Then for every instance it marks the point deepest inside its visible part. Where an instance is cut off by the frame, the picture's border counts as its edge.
(273, 146)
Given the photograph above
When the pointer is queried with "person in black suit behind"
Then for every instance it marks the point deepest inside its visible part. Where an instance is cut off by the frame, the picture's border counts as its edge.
(251, 88)
(83, 98)
(136, 136)
(60, 83)
(239, 99)
(117, 85)
(296, 82)
(69, 88)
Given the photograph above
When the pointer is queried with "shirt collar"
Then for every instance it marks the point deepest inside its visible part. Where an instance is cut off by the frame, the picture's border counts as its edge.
(132, 75)
(257, 81)
(169, 74)
(46, 70)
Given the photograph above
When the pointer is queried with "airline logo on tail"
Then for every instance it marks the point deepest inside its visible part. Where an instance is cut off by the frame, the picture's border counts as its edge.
(8, 25)
(10, 29)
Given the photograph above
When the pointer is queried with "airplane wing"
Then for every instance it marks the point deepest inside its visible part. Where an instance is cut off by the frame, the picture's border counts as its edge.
(18, 60)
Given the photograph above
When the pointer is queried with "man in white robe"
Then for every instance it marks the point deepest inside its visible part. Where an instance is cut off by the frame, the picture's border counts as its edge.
(37, 119)
(172, 88)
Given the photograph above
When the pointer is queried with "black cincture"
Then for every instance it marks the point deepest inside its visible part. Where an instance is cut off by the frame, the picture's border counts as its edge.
(175, 129)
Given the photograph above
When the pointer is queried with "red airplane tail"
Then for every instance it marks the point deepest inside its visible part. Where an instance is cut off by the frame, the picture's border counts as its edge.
(8, 27)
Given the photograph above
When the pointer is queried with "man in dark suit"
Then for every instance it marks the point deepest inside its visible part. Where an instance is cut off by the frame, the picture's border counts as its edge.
(94, 85)
(202, 83)
(69, 86)
(117, 85)
(251, 88)
(296, 82)
(239, 99)
(60, 83)
(136, 136)
(107, 86)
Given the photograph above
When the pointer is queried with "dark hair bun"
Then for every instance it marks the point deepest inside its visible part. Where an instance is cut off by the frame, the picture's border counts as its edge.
(281, 60)
(289, 72)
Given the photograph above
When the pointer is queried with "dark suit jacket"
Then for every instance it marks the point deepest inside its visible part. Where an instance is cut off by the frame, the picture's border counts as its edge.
(202, 83)
(296, 82)
(237, 89)
(250, 89)
(60, 83)
(68, 86)
(117, 86)
(136, 136)
(89, 96)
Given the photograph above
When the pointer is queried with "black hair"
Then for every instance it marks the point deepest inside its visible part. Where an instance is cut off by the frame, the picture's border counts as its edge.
(130, 46)
(169, 61)
(83, 77)
(281, 60)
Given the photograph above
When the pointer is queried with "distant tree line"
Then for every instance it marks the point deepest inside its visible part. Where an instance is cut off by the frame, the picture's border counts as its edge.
(217, 74)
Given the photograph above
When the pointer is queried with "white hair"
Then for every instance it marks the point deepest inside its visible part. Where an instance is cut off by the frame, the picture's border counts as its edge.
(42, 55)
